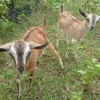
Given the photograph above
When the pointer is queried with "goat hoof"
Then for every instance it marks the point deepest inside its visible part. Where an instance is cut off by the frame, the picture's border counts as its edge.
(76, 56)
(62, 68)
(19, 98)
(66, 55)
(57, 45)
(67, 42)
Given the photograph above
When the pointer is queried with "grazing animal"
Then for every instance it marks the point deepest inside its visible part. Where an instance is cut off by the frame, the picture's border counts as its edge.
(13, 13)
(74, 28)
(26, 51)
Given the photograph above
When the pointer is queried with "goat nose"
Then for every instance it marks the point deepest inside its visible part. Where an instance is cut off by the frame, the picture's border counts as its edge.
(92, 27)
(20, 69)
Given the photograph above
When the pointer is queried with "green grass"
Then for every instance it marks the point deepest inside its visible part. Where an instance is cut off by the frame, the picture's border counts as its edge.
(50, 82)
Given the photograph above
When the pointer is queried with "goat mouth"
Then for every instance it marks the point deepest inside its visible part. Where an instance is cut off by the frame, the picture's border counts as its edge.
(90, 29)
(20, 71)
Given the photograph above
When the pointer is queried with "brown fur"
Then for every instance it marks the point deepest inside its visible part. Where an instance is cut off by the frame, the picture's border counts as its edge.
(38, 35)
(74, 28)
(35, 39)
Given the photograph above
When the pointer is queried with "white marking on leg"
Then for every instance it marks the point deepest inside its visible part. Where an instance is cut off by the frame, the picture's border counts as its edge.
(31, 79)
(76, 49)
(67, 52)
(19, 88)
(57, 39)
(61, 63)
(67, 37)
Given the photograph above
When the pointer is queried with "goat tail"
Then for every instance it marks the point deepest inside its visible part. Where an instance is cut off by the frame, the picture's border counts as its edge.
(44, 24)
(61, 9)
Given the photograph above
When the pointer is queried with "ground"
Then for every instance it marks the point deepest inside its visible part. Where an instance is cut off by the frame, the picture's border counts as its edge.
(50, 82)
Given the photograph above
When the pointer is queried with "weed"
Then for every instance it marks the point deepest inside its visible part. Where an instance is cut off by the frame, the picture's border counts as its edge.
(90, 74)
(50, 82)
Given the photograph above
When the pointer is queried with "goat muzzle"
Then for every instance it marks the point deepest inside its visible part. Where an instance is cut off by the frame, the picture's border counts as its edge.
(20, 69)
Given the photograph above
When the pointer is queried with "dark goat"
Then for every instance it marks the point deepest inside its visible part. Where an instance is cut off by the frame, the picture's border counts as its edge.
(13, 12)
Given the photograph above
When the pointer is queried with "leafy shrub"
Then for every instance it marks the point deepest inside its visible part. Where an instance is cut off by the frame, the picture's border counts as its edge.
(91, 74)
(6, 27)
(54, 3)
(77, 95)
(92, 6)
(3, 6)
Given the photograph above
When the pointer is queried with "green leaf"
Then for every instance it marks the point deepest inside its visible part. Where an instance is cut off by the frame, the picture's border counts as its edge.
(94, 60)
(89, 62)
(82, 72)
(97, 65)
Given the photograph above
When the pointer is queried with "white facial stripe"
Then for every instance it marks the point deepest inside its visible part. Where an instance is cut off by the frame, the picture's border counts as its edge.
(26, 52)
(13, 52)
(90, 19)
(18, 80)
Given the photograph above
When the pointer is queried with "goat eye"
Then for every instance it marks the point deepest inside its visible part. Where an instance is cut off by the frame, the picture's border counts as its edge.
(87, 19)
(10, 54)
(97, 21)
(28, 54)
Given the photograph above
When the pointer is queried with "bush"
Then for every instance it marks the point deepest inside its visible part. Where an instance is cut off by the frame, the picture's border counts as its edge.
(3, 6)
(6, 27)
(91, 73)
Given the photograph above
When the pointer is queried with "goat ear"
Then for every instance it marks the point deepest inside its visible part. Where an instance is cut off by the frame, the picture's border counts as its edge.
(5, 47)
(38, 46)
(99, 18)
(82, 13)
(44, 24)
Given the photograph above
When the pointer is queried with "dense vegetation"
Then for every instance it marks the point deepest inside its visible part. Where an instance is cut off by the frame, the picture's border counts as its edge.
(80, 80)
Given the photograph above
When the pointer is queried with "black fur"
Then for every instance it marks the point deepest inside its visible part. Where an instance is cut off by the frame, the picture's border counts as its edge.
(13, 12)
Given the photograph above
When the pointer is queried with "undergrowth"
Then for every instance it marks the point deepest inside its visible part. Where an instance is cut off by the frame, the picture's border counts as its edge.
(50, 82)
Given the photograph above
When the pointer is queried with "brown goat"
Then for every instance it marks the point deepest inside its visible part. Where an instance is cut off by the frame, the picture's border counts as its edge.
(74, 28)
(24, 54)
